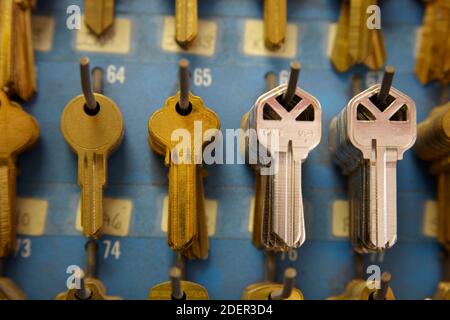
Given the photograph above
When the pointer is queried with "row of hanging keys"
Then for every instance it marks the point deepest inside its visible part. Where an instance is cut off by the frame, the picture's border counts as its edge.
(433, 145)
(20, 131)
(355, 43)
(367, 138)
(99, 17)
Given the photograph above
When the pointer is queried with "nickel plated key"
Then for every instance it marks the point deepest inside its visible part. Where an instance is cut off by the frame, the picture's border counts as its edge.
(294, 117)
(368, 138)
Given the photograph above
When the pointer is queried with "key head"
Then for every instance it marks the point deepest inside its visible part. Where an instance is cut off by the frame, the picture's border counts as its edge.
(433, 134)
(167, 120)
(192, 291)
(263, 290)
(392, 125)
(19, 129)
(96, 287)
(101, 132)
(299, 123)
(357, 290)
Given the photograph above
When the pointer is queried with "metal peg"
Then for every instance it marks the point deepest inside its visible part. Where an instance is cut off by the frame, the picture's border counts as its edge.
(288, 285)
(82, 293)
(86, 84)
(386, 84)
(380, 294)
(292, 82)
(175, 279)
(183, 76)
(91, 255)
(270, 271)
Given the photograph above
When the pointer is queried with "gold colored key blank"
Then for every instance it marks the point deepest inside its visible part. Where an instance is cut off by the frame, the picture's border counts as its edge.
(93, 127)
(19, 131)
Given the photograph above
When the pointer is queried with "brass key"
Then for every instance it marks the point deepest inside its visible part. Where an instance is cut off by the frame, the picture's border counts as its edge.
(357, 289)
(275, 291)
(186, 22)
(355, 43)
(19, 131)
(90, 287)
(92, 125)
(186, 201)
(99, 15)
(433, 58)
(17, 70)
(433, 144)
(275, 20)
(177, 289)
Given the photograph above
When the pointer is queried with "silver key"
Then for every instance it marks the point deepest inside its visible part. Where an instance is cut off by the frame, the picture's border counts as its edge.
(368, 138)
(296, 127)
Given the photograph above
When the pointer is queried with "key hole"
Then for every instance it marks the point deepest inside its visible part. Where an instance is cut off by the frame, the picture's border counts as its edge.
(181, 299)
(90, 112)
(182, 112)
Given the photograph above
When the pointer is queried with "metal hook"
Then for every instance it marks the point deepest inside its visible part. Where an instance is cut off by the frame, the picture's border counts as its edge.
(183, 77)
(91, 255)
(292, 83)
(386, 84)
(270, 271)
(380, 294)
(86, 84)
(175, 279)
(288, 285)
(82, 293)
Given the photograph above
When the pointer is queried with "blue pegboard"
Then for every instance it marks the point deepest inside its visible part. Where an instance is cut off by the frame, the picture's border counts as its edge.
(324, 262)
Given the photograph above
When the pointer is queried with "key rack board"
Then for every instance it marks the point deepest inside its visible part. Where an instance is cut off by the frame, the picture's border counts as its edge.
(227, 70)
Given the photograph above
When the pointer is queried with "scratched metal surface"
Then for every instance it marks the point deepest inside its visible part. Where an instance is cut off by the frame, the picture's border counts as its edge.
(324, 263)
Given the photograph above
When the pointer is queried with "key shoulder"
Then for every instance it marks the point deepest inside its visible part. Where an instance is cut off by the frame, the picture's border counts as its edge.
(19, 129)
(102, 132)
(166, 120)
(398, 135)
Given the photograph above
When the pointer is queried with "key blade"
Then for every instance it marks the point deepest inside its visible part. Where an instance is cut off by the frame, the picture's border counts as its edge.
(182, 206)
(275, 20)
(99, 15)
(383, 198)
(7, 206)
(6, 42)
(186, 22)
(24, 76)
(92, 180)
(288, 216)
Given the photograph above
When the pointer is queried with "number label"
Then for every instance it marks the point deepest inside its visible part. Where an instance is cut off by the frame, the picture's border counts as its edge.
(202, 77)
(23, 248)
(115, 74)
(112, 249)
(292, 255)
